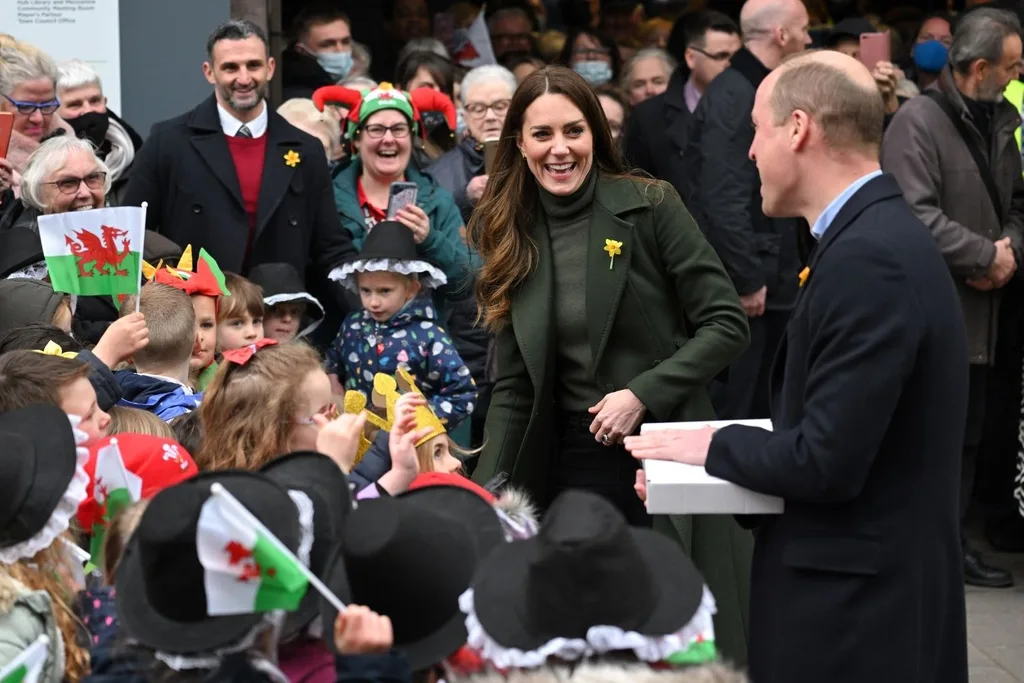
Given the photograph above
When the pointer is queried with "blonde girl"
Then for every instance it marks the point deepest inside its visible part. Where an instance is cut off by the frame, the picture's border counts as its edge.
(261, 405)
(134, 421)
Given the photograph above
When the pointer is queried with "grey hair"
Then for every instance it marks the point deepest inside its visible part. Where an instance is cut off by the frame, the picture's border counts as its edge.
(980, 35)
(423, 45)
(486, 74)
(236, 29)
(19, 65)
(74, 73)
(49, 157)
(360, 83)
(646, 53)
(508, 12)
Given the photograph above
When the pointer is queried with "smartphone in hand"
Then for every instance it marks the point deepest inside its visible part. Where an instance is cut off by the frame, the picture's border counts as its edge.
(401, 195)
(875, 48)
(490, 152)
(6, 128)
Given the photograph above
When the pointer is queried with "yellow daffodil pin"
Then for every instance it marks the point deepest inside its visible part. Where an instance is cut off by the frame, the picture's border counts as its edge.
(54, 349)
(804, 274)
(613, 248)
(292, 158)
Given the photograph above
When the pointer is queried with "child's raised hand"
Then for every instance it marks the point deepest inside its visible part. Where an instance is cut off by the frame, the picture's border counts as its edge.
(339, 439)
(402, 445)
(361, 631)
(122, 340)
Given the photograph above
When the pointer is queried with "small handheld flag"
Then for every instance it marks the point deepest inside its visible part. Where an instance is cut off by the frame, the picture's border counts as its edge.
(246, 567)
(96, 252)
(28, 666)
(114, 488)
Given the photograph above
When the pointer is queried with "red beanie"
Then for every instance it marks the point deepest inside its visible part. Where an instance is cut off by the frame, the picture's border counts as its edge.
(444, 479)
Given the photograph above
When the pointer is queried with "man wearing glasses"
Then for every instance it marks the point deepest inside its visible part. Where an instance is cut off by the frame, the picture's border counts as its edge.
(658, 128)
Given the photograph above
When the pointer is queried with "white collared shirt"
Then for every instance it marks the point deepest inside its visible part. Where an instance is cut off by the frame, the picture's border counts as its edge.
(230, 125)
(188, 389)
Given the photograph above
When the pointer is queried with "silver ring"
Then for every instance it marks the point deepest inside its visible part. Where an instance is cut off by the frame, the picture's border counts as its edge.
(604, 439)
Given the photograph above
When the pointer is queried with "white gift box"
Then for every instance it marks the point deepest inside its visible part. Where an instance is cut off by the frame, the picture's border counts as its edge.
(677, 489)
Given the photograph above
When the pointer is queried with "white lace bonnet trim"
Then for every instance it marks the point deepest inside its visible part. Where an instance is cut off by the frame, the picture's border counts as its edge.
(429, 275)
(298, 296)
(271, 619)
(599, 640)
(67, 508)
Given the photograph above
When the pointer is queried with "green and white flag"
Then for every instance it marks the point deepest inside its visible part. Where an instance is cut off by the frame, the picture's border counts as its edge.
(96, 252)
(245, 571)
(27, 667)
(114, 488)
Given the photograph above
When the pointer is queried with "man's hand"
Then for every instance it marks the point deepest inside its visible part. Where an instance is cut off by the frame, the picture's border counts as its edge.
(122, 340)
(886, 77)
(361, 631)
(475, 189)
(688, 446)
(1004, 265)
(753, 304)
(641, 484)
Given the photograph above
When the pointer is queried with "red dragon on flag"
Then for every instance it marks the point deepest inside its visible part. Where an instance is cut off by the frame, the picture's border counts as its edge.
(100, 251)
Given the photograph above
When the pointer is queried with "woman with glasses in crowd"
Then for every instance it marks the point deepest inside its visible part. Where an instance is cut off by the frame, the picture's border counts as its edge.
(28, 90)
(592, 55)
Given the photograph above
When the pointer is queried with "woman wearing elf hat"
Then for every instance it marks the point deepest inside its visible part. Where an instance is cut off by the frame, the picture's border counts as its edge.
(380, 130)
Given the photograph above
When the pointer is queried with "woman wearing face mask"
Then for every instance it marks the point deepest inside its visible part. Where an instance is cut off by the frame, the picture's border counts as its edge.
(84, 107)
(321, 52)
(592, 55)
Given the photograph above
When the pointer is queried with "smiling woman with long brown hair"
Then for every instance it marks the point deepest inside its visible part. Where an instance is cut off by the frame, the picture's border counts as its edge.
(608, 305)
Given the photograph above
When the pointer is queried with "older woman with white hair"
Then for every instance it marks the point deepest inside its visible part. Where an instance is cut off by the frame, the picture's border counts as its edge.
(325, 127)
(64, 174)
(28, 90)
(646, 74)
(485, 95)
(84, 107)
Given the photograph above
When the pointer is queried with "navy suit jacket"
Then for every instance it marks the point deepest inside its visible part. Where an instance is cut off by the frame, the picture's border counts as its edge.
(861, 578)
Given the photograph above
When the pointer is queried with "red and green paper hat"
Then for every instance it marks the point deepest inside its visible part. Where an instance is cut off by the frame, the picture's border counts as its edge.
(207, 279)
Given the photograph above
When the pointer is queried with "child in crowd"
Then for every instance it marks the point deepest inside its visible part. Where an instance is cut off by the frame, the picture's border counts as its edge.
(188, 431)
(134, 421)
(24, 301)
(289, 312)
(239, 317)
(397, 327)
(40, 488)
(205, 286)
(159, 382)
(29, 377)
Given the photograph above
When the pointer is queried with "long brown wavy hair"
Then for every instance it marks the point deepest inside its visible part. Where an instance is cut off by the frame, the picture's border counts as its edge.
(499, 228)
(248, 411)
(47, 572)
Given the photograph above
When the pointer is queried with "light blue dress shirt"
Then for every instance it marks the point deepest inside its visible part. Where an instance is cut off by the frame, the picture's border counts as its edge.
(833, 209)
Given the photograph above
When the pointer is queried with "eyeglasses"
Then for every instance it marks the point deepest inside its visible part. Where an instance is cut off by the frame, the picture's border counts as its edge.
(330, 411)
(28, 108)
(377, 131)
(714, 56)
(70, 185)
(477, 109)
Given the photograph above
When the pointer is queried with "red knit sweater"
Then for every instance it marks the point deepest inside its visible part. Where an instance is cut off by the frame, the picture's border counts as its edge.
(248, 155)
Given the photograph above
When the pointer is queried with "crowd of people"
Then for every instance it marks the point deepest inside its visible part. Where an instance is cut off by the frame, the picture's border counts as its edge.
(374, 411)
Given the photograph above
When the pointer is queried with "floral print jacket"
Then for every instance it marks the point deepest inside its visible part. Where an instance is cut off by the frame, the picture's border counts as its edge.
(413, 339)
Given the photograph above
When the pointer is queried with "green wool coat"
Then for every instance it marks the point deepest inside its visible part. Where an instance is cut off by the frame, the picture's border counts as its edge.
(663, 321)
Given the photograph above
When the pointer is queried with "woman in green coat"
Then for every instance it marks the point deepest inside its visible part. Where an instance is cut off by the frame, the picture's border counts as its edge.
(609, 309)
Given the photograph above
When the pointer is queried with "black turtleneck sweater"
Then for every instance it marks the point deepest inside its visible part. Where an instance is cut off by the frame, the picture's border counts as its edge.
(981, 114)
(568, 221)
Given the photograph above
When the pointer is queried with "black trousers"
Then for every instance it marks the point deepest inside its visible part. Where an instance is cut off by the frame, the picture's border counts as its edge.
(744, 395)
(977, 394)
(580, 462)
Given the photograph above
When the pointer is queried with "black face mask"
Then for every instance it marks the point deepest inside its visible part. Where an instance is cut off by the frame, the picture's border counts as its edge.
(92, 127)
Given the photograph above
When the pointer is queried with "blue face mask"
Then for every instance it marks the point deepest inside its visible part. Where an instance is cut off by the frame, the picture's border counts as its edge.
(337, 64)
(594, 72)
(931, 56)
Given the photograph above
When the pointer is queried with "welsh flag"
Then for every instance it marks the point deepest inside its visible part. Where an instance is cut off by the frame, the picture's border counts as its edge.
(244, 571)
(114, 488)
(473, 44)
(27, 666)
(96, 252)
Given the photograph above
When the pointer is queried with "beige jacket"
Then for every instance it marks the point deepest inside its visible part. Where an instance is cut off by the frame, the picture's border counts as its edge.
(940, 180)
(24, 616)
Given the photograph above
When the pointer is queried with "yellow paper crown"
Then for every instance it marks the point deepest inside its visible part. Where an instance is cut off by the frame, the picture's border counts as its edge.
(386, 392)
(182, 270)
